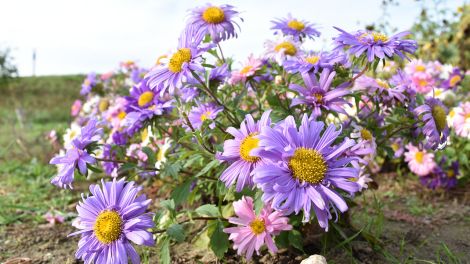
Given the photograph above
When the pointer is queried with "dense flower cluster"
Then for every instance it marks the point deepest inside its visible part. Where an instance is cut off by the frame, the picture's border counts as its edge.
(288, 132)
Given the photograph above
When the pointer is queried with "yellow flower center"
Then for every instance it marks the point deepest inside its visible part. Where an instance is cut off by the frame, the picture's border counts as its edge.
(213, 15)
(159, 59)
(419, 156)
(103, 105)
(318, 97)
(376, 35)
(312, 59)
(467, 116)
(450, 173)
(395, 147)
(144, 134)
(108, 226)
(145, 98)
(454, 80)
(257, 226)
(287, 47)
(249, 143)
(308, 165)
(439, 116)
(121, 115)
(382, 83)
(205, 116)
(178, 59)
(296, 25)
(437, 92)
(422, 82)
(87, 82)
(365, 134)
(420, 68)
(246, 69)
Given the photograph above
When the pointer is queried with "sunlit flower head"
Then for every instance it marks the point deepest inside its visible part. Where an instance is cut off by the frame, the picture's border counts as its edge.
(248, 69)
(422, 82)
(419, 160)
(304, 170)
(319, 94)
(254, 230)
(296, 28)
(239, 152)
(454, 79)
(314, 62)
(382, 90)
(202, 113)
(216, 21)
(281, 49)
(109, 220)
(375, 44)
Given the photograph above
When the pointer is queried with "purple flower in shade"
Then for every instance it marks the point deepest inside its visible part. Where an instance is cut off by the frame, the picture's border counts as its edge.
(440, 177)
(433, 114)
(398, 147)
(238, 152)
(317, 94)
(189, 93)
(303, 168)
(73, 158)
(110, 154)
(137, 74)
(255, 230)
(365, 147)
(90, 133)
(381, 89)
(199, 114)
(219, 74)
(455, 78)
(88, 83)
(297, 28)
(403, 80)
(179, 66)
(216, 21)
(314, 62)
(375, 44)
(109, 220)
(119, 138)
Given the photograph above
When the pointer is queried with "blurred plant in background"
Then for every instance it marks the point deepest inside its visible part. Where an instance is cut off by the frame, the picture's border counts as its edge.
(7, 68)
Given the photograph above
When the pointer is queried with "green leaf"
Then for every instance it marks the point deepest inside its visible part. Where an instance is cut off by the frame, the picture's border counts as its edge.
(126, 167)
(164, 250)
(295, 239)
(181, 192)
(219, 240)
(168, 204)
(150, 155)
(208, 210)
(282, 240)
(94, 169)
(176, 232)
(209, 166)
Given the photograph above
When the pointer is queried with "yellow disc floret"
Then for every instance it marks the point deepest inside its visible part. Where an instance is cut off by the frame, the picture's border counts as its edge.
(213, 15)
(439, 116)
(296, 25)
(205, 116)
(454, 80)
(287, 47)
(382, 83)
(145, 98)
(419, 156)
(108, 226)
(365, 134)
(181, 56)
(308, 165)
(257, 226)
(312, 59)
(249, 143)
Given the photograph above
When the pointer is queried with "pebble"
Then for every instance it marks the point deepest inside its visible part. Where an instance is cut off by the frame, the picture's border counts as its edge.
(314, 259)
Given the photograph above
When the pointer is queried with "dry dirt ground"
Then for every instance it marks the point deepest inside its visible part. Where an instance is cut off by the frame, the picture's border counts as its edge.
(418, 226)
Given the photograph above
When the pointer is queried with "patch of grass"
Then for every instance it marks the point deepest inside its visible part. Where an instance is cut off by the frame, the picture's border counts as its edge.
(27, 193)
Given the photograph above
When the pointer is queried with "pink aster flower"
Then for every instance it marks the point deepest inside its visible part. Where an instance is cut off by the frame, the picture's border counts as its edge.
(462, 120)
(419, 161)
(249, 69)
(76, 107)
(254, 231)
(422, 82)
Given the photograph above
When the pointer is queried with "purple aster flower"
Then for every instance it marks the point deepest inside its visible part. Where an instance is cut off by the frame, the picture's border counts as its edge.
(433, 114)
(440, 177)
(119, 138)
(303, 169)
(199, 114)
(377, 45)
(88, 83)
(381, 89)
(452, 174)
(216, 21)
(317, 94)
(403, 80)
(219, 74)
(109, 154)
(314, 62)
(297, 28)
(239, 152)
(109, 220)
(73, 158)
(455, 78)
(189, 93)
(141, 96)
(91, 132)
(137, 74)
(178, 68)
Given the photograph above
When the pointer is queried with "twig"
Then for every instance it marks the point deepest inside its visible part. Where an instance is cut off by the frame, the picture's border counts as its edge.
(360, 74)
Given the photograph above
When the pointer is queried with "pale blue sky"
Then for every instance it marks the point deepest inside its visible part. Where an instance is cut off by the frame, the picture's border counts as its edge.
(95, 35)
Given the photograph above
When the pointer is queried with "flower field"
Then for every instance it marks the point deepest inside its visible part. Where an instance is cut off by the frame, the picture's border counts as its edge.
(356, 154)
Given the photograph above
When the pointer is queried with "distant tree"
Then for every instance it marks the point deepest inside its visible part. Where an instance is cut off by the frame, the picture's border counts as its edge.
(7, 69)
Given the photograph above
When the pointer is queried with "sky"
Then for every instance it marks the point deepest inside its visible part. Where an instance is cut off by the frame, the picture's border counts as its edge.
(72, 37)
